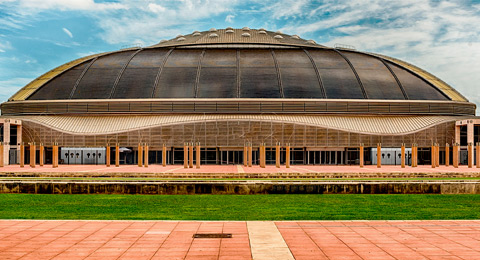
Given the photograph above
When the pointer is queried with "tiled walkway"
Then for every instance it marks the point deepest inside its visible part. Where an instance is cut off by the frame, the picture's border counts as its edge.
(226, 169)
(165, 240)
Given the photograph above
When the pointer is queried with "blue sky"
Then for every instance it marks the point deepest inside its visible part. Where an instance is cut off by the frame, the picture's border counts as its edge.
(442, 37)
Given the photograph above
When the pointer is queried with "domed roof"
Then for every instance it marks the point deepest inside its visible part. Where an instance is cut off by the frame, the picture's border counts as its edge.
(237, 63)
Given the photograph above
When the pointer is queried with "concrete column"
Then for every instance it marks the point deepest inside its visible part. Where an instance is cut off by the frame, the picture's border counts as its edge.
(470, 128)
(190, 165)
(455, 155)
(262, 155)
(145, 157)
(185, 155)
(477, 149)
(55, 155)
(107, 159)
(22, 155)
(437, 154)
(277, 155)
(197, 150)
(470, 155)
(432, 156)
(447, 154)
(287, 156)
(361, 156)
(164, 156)
(250, 155)
(379, 155)
(416, 155)
(117, 155)
(41, 155)
(6, 142)
(403, 155)
(245, 155)
(32, 155)
(2, 161)
(140, 155)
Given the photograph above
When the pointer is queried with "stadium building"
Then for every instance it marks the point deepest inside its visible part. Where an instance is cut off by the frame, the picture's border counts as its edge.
(229, 89)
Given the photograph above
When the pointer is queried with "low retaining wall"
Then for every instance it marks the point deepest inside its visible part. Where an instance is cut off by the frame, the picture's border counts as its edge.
(241, 187)
(231, 175)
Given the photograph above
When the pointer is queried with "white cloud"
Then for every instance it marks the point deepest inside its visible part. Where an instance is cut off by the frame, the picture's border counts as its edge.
(176, 17)
(287, 8)
(4, 46)
(438, 37)
(68, 32)
(85, 5)
(229, 18)
(10, 86)
(156, 8)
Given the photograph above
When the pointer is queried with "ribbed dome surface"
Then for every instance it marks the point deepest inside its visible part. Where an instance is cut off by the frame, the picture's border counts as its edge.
(239, 67)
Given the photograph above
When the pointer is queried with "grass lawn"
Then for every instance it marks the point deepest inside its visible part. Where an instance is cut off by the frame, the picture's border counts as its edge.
(239, 207)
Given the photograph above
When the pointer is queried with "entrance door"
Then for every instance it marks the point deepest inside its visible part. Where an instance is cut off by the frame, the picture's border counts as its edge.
(232, 157)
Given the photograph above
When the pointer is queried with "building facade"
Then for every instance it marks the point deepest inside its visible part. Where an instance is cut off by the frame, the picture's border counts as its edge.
(231, 88)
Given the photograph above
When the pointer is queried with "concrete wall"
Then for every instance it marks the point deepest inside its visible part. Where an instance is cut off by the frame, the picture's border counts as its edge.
(258, 187)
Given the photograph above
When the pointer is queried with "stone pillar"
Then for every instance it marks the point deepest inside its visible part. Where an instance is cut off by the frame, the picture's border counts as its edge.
(470, 155)
(140, 155)
(117, 155)
(477, 149)
(437, 154)
(245, 155)
(250, 155)
(32, 155)
(41, 155)
(447, 154)
(2, 161)
(403, 155)
(145, 157)
(379, 155)
(185, 155)
(432, 156)
(6, 142)
(197, 150)
(277, 155)
(416, 155)
(361, 156)
(287, 156)
(22, 155)
(262, 155)
(107, 159)
(190, 154)
(470, 130)
(455, 155)
(164, 156)
(55, 155)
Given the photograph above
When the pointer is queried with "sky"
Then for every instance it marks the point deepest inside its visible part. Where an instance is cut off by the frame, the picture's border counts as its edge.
(441, 37)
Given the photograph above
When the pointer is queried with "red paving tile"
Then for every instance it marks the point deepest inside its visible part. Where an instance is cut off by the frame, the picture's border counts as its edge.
(105, 240)
(222, 169)
(383, 239)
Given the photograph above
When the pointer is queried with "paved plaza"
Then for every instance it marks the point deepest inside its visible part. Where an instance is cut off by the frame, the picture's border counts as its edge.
(240, 169)
(52, 239)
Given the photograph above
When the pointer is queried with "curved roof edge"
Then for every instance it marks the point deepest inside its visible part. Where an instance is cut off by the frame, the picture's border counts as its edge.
(232, 38)
(441, 85)
(37, 83)
(371, 125)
